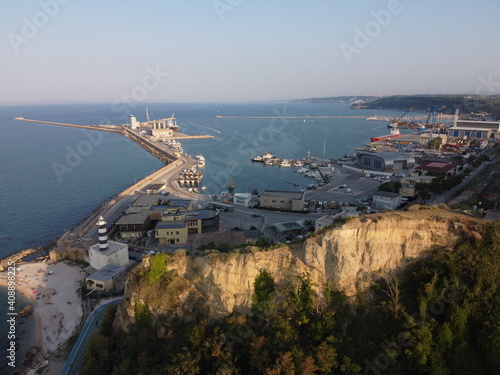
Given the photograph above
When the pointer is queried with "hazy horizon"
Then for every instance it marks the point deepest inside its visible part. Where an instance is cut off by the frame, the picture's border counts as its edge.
(222, 51)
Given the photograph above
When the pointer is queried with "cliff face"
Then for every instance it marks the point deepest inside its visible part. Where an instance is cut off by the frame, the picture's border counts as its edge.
(348, 257)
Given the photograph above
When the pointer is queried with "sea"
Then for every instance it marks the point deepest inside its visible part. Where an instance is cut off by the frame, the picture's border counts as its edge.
(52, 177)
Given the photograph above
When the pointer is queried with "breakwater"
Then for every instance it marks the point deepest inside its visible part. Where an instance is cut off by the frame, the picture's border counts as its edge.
(105, 128)
(149, 146)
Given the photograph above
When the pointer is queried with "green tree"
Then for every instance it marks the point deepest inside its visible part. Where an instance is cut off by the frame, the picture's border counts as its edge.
(263, 289)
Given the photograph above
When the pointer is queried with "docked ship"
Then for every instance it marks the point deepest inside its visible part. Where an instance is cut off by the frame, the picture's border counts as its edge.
(172, 123)
(394, 133)
(200, 161)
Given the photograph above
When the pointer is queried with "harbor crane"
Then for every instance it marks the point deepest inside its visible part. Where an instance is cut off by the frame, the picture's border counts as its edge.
(433, 112)
(395, 122)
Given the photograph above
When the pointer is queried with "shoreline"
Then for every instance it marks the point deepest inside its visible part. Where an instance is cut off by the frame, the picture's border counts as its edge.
(52, 291)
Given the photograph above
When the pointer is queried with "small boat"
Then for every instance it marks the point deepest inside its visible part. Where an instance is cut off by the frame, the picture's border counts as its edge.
(285, 163)
(230, 186)
(258, 159)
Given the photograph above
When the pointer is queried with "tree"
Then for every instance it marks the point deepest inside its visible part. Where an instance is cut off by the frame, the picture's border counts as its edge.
(263, 289)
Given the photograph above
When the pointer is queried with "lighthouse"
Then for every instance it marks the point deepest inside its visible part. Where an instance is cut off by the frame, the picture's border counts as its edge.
(107, 252)
(103, 234)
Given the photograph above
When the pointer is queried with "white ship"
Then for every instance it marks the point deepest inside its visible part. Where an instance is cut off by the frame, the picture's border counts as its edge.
(200, 161)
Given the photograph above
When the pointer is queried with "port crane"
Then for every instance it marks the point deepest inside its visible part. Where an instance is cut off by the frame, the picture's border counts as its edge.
(395, 121)
(432, 115)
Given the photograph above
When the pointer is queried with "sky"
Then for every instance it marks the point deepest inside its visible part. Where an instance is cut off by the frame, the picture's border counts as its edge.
(94, 51)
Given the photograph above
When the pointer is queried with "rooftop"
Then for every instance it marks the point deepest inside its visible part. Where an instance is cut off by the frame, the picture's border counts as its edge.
(170, 224)
(288, 226)
(147, 200)
(436, 167)
(113, 247)
(282, 193)
(140, 218)
(387, 194)
(106, 273)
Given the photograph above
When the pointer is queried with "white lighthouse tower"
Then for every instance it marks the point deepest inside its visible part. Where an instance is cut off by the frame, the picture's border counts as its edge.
(105, 252)
(103, 234)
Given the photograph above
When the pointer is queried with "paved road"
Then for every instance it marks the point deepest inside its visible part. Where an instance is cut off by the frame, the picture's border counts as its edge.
(75, 359)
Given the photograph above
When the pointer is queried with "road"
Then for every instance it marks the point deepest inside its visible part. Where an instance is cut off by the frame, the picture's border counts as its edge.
(75, 359)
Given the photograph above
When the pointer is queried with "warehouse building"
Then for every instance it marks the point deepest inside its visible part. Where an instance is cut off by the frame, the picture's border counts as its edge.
(283, 200)
(385, 161)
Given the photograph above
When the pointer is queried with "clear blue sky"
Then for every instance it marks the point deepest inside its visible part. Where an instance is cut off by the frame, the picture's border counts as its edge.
(84, 51)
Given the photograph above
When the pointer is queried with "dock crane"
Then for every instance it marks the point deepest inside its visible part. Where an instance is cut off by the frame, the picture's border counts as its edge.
(395, 122)
(432, 115)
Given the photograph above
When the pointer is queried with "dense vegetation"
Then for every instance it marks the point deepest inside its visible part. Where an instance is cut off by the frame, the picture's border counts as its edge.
(438, 316)
(423, 103)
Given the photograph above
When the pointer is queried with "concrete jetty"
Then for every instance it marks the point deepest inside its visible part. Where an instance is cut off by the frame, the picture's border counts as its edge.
(105, 128)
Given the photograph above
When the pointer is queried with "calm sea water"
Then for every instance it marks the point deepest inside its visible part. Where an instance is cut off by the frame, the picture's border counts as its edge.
(53, 177)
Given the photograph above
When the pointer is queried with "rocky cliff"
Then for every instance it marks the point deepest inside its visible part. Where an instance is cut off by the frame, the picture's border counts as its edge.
(349, 257)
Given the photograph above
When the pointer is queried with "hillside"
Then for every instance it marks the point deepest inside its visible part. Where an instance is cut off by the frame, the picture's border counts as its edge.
(375, 293)
(423, 103)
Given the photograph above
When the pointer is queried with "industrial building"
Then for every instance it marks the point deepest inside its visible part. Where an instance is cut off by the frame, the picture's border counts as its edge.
(385, 161)
(283, 200)
(479, 130)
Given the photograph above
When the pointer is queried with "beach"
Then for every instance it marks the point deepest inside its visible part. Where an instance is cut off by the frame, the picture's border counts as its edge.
(53, 291)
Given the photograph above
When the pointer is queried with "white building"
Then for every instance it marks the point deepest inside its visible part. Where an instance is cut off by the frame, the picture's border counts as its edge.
(385, 200)
(107, 252)
(242, 199)
(134, 124)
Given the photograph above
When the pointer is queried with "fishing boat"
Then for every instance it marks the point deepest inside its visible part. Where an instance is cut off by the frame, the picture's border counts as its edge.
(285, 163)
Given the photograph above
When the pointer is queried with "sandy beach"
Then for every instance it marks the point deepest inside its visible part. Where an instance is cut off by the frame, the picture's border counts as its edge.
(52, 289)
